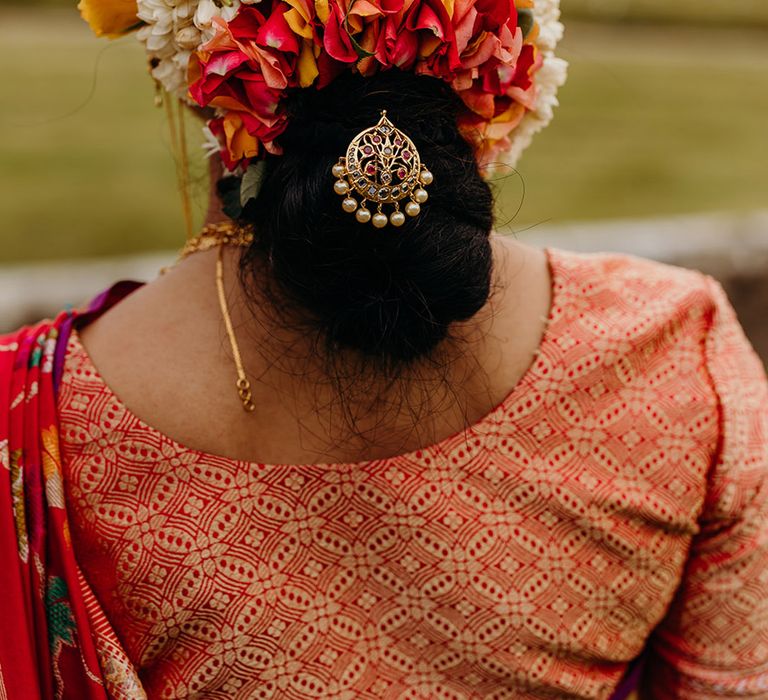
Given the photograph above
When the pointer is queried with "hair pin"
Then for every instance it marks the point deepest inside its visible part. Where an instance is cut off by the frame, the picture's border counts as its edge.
(382, 166)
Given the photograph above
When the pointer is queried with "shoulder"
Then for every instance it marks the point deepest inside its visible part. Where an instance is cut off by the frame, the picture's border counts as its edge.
(657, 349)
(624, 277)
(37, 345)
(30, 343)
(739, 383)
(630, 300)
(21, 340)
(634, 297)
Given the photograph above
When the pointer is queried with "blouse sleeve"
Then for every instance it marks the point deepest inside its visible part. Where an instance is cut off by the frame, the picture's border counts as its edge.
(713, 641)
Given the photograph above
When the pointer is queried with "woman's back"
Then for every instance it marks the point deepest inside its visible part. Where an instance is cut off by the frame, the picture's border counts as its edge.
(531, 555)
(164, 351)
(355, 444)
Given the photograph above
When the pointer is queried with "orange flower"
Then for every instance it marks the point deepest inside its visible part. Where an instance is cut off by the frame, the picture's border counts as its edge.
(109, 17)
(54, 484)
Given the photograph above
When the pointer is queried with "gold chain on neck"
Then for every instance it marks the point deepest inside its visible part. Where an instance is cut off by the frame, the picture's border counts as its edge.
(211, 235)
(221, 234)
(243, 384)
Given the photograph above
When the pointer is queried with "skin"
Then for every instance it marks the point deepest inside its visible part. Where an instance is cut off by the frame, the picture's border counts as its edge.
(164, 352)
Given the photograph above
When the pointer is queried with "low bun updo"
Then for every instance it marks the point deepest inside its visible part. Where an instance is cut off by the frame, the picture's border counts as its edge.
(390, 294)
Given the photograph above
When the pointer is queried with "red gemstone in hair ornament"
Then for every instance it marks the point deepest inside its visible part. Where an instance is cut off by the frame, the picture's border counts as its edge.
(381, 165)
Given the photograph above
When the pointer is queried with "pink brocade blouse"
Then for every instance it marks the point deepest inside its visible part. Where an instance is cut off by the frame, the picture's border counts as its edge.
(616, 499)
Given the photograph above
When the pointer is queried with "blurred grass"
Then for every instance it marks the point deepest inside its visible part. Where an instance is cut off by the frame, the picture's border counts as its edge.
(722, 13)
(85, 166)
(653, 121)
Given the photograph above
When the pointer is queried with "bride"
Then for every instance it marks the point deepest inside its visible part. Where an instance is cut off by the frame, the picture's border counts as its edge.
(357, 444)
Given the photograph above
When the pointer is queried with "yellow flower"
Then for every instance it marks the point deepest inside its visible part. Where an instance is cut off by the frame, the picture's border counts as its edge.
(109, 17)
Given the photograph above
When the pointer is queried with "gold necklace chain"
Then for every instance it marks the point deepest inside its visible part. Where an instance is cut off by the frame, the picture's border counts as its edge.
(225, 233)
(221, 234)
(243, 384)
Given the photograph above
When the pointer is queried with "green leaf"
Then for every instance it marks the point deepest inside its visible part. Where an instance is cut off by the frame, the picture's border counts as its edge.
(249, 187)
(361, 52)
(228, 189)
(525, 21)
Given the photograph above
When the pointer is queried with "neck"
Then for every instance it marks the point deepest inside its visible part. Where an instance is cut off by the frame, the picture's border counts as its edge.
(473, 330)
(215, 213)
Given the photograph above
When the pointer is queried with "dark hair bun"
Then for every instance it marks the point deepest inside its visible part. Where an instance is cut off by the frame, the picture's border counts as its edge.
(393, 292)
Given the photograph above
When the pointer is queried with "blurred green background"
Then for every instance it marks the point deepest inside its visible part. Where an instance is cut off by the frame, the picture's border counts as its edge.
(664, 113)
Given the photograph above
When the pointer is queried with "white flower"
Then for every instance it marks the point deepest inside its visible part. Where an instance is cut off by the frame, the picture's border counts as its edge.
(212, 146)
(174, 29)
(549, 78)
(550, 27)
(207, 10)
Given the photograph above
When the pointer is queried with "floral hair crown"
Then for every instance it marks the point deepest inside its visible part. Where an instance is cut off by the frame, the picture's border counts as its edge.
(239, 57)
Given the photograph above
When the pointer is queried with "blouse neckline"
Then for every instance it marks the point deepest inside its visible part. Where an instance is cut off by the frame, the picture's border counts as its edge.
(418, 454)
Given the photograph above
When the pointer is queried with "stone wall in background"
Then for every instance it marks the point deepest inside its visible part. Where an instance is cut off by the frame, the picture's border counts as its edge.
(733, 249)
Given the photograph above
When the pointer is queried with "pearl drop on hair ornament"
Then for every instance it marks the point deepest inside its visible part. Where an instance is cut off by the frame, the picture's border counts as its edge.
(397, 218)
(381, 165)
(412, 208)
(380, 220)
(341, 187)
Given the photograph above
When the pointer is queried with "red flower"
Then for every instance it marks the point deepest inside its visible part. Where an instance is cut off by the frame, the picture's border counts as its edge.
(396, 43)
(438, 42)
(475, 45)
(245, 69)
(336, 39)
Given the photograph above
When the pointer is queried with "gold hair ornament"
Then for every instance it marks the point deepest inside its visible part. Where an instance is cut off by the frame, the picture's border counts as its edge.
(383, 166)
